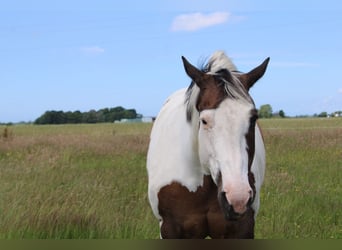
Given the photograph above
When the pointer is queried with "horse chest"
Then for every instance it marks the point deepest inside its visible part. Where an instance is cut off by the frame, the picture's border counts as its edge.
(177, 199)
(187, 214)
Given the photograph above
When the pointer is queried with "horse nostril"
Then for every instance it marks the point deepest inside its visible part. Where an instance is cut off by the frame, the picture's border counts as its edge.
(250, 200)
(223, 200)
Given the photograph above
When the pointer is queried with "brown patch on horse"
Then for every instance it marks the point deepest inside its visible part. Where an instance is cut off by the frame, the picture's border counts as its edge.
(250, 140)
(211, 88)
(214, 87)
(212, 95)
(198, 214)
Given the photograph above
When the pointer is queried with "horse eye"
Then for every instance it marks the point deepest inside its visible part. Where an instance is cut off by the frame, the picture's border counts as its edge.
(204, 122)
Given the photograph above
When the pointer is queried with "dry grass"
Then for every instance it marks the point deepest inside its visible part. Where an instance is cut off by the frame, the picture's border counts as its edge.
(74, 182)
(302, 196)
(89, 181)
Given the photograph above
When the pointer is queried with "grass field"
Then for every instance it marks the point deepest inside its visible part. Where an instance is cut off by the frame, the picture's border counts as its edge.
(89, 181)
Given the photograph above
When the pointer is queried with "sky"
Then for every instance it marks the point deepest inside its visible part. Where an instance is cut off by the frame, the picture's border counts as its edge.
(83, 55)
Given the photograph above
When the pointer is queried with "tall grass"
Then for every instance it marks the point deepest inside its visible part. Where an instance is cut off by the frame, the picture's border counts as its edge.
(81, 181)
(89, 181)
(302, 194)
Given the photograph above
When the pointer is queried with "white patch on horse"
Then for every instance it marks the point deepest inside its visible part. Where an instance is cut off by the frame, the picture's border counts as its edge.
(171, 154)
(222, 147)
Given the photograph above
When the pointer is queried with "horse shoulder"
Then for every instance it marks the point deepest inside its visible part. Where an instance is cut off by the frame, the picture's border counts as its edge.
(171, 157)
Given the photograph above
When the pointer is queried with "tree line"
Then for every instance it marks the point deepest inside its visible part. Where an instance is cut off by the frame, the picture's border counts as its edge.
(266, 111)
(92, 116)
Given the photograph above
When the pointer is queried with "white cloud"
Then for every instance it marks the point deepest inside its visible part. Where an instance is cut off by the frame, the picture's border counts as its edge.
(339, 91)
(92, 50)
(196, 21)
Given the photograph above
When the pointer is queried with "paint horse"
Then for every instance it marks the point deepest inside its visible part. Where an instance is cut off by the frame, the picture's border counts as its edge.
(206, 157)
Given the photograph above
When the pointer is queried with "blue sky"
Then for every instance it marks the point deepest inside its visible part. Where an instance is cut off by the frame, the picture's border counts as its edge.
(82, 55)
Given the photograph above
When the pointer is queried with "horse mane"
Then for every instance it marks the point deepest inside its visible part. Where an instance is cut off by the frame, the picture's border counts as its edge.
(217, 63)
(219, 60)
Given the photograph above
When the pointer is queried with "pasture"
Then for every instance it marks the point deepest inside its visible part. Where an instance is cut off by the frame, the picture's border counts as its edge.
(89, 181)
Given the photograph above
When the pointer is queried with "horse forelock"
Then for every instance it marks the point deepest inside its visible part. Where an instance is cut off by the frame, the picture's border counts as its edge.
(233, 88)
(219, 60)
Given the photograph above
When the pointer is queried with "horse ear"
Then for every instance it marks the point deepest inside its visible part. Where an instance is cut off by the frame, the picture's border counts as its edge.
(195, 74)
(254, 75)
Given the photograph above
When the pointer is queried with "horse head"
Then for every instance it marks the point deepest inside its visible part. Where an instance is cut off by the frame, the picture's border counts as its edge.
(227, 116)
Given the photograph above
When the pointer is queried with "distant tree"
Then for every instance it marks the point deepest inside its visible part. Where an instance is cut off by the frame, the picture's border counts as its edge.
(282, 113)
(77, 116)
(323, 114)
(336, 114)
(129, 114)
(117, 113)
(51, 117)
(265, 111)
(92, 116)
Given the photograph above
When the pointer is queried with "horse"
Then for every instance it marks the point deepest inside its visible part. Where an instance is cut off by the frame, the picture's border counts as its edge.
(206, 156)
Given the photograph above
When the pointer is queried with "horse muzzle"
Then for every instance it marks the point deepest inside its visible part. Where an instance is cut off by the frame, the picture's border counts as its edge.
(235, 210)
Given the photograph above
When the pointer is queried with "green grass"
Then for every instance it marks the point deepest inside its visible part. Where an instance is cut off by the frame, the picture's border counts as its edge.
(302, 194)
(89, 181)
(80, 181)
